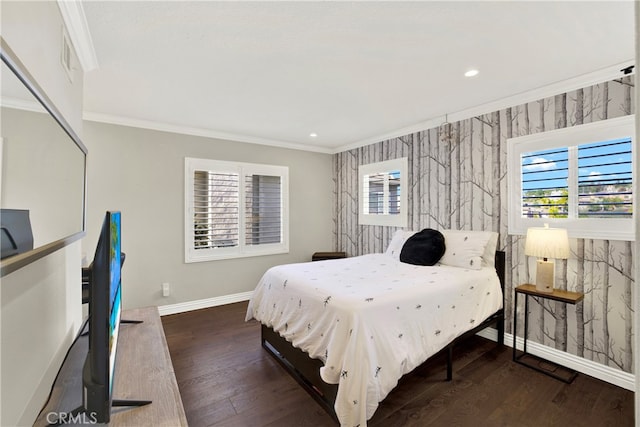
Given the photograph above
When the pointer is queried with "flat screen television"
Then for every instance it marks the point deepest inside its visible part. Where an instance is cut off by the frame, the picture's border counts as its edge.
(105, 306)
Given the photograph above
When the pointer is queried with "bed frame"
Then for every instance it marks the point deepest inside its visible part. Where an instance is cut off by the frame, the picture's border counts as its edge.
(306, 370)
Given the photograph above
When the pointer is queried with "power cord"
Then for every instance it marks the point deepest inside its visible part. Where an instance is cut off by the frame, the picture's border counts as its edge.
(66, 356)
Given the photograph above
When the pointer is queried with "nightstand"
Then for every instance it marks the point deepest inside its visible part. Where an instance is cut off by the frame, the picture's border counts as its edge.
(529, 360)
(320, 256)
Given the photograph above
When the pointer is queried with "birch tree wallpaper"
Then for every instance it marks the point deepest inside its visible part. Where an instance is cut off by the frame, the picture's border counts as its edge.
(457, 180)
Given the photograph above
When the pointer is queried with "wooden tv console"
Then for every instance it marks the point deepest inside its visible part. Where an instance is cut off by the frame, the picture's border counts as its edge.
(143, 372)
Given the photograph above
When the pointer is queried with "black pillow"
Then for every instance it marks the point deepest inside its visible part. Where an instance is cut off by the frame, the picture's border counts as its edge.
(423, 248)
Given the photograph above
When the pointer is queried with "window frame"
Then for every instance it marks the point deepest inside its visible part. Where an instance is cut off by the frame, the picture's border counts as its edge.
(242, 250)
(571, 138)
(391, 220)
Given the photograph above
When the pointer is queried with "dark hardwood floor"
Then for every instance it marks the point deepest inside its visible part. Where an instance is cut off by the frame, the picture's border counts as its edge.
(227, 379)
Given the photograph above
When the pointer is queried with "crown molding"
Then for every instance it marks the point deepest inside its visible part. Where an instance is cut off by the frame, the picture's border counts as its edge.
(553, 89)
(207, 133)
(76, 23)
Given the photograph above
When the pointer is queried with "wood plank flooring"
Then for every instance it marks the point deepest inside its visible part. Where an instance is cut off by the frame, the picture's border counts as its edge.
(227, 379)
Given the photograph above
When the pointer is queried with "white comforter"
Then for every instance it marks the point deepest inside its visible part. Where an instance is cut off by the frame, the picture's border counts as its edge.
(371, 319)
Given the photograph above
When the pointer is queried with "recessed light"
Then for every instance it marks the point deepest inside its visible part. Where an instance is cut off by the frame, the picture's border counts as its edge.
(313, 134)
(471, 73)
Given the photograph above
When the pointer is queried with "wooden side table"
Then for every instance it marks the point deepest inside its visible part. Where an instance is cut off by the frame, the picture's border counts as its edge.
(528, 359)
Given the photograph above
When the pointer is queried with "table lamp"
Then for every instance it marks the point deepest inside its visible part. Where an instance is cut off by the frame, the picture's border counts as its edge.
(548, 244)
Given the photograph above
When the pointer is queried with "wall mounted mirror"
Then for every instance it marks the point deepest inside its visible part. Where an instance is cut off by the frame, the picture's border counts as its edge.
(43, 166)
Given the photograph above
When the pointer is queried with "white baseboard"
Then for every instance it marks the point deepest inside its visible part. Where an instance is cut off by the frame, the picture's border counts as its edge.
(585, 366)
(182, 307)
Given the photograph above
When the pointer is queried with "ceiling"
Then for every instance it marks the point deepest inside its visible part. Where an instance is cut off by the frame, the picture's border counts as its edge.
(351, 72)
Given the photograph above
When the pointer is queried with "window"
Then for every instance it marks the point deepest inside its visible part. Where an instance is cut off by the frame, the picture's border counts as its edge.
(605, 179)
(579, 178)
(383, 195)
(235, 210)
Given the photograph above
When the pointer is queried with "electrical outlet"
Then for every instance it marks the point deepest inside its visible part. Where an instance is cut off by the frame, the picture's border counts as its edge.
(166, 290)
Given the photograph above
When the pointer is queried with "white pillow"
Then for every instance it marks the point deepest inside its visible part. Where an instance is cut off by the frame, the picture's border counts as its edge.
(397, 242)
(489, 257)
(468, 249)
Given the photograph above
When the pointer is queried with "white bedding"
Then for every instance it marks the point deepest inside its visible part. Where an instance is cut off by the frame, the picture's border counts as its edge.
(371, 319)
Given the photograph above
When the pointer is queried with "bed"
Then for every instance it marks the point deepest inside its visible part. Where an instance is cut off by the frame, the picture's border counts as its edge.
(348, 329)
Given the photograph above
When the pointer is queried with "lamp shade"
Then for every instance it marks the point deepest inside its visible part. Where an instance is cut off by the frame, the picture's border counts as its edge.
(545, 242)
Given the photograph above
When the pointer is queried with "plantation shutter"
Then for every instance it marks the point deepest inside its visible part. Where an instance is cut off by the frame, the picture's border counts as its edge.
(579, 178)
(215, 210)
(545, 185)
(374, 193)
(382, 193)
(263, 209)
(235, 210)
(605, 179)
(394, 192)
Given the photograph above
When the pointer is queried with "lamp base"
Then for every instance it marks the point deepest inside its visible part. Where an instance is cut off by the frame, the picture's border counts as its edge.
(544, 276)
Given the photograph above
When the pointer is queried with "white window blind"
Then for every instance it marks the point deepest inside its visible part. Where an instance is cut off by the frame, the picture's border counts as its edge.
(263, 209)
(382, 189)
(579, 178)
(382, 193)
(374, 193)
(605, 180)
(215, 210)
(234, 209)
(545, 187)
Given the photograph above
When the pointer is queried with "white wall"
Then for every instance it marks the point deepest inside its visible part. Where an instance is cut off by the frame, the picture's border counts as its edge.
(141, 173)
(40, 309)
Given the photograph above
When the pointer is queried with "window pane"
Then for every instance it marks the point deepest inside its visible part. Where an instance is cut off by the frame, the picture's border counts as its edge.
(216, 205)
(544, 183)
(374, 190)
(376, 187)
(394, 192)
(263, 204)
(605, 179)
(381, 196)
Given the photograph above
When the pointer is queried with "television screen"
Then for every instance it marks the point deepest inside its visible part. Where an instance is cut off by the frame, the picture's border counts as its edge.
(115, 266)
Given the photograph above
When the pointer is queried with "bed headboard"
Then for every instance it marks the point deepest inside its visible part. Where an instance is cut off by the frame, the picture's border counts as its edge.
(500, 267)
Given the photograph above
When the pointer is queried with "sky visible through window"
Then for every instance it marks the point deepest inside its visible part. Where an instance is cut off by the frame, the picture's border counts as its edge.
(605, 162)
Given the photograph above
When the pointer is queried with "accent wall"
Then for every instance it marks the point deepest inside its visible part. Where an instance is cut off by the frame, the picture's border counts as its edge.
(458, 179)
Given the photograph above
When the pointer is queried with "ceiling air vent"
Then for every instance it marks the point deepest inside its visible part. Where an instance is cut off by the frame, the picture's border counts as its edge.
(66, 55)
